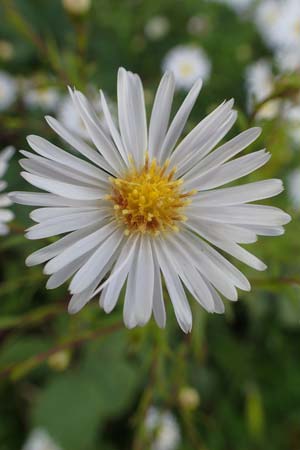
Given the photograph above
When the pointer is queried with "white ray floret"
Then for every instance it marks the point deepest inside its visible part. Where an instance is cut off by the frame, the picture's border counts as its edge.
(136, 207)
(5, 214)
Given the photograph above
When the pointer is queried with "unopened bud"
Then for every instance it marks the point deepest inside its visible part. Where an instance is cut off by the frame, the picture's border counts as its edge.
(77, 7)
(189, 398)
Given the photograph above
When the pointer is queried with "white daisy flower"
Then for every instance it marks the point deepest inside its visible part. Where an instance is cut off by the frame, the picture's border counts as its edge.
(8, 90)
(45, 98)
(289, 24)
(288, 60)
(267, 19)
(141, 207)
(292, 115)
(164, 427)
(39, 439)
(187, 63)
(294, 187)
(260, 84)
(5, 214)
(279, 23)
(157, 27)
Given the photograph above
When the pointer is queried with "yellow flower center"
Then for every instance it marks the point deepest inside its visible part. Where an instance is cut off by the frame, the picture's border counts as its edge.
(186, 69)
(149, 200)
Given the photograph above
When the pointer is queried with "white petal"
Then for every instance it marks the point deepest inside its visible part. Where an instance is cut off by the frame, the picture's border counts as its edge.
(218, 304)
(80, 247)
(111, 292)
(77, 143)
(224, 152)
(103, 143)
(193, 246)
(242, 255)
(208, 144)
(42, 199)
(130, 299)
(229, 172)
(56, 154)
(5, 200)
(266, 231)
(159, 310)
(56, 171)
(64, 189)
(239, 194)
(161, 114)
(78, 301)
(189, 151)
(132, 115)
(221, 231)
(93, 267)
(43, 214)
(48, 252)
(3, 229)
(113, 129)
(177, 295)
(6, 215)
(233, 249)
(189, 275)
(60, 277)
(144, 282)
(179, 122)
(63, 224)
(243, 214)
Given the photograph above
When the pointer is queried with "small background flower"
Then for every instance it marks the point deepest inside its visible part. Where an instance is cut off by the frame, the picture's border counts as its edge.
(157, 27)
(163, 428)
(8, 90)
(5, 214)
(45, 98)
(39, 439)
(188, 63)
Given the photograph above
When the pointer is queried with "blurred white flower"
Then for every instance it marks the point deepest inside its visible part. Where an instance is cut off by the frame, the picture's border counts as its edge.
(188, 63)
(39, 439)
(289, 24)
(45, 98)
(5, 214)
(76, 6)
(293, 185)
(267, 18)
(259, 84)
(157, 27)
(139, 206)
(164, 428)
(279, 23)
(288, 60)
(292, 115)
(69, 116)
(8, 90)
(239, 6)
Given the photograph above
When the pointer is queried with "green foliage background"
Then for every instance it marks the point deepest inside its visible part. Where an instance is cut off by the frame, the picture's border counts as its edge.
(87, 379)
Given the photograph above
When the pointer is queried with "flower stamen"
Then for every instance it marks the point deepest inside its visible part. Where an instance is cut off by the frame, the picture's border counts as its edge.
(149, 200)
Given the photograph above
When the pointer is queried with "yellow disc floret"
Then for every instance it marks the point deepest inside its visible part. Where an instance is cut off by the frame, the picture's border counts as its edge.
(149, 200)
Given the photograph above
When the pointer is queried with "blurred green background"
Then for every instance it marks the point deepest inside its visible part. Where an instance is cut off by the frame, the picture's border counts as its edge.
(85, 381)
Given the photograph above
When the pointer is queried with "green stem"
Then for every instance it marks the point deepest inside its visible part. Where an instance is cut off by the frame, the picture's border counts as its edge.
(16, 371)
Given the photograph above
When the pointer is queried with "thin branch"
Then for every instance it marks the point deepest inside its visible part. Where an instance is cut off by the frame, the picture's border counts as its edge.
(17, 370)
